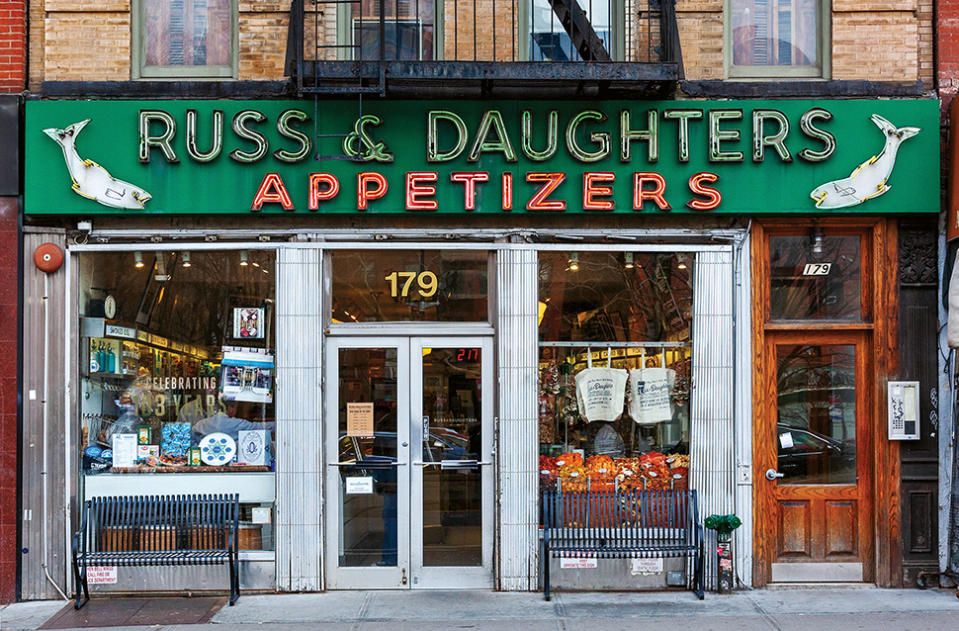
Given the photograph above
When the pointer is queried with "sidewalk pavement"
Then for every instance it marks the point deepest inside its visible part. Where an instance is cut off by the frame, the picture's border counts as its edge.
(845, 608)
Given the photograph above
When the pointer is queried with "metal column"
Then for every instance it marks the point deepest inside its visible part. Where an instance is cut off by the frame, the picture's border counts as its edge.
(299, 435)
(516, 326)
(711, 433)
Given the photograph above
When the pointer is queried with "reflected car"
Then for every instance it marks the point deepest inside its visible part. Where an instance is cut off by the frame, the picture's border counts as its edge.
(815, 457)
(443, 444)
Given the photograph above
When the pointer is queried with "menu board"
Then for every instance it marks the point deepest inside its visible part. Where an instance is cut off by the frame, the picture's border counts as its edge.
(359, 420)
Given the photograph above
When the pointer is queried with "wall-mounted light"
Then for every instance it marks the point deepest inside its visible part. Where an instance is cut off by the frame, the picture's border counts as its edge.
(244, 258)
(138, 260)
(572, 263)
(628, 260)
(817, 242)
(681, 261)
(186, 259)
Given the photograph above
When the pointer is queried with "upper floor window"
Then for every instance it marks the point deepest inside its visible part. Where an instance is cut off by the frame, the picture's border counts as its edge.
(777, 38)
(184, 39)
(552, 22)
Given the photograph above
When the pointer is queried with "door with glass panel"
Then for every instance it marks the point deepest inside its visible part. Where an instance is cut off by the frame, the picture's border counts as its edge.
(409, 462)
(814, 446)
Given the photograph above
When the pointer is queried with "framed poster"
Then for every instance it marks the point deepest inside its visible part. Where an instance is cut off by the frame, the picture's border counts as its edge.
(248, 323)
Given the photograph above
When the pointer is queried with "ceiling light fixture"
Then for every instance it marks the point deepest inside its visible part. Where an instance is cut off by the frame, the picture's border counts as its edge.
(186, 260)
(138, 260)
(628, 260)
(244, 258)
(573, 262)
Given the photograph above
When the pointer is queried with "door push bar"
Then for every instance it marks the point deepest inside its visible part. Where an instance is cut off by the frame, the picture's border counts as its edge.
(367, 465)
(454, 464)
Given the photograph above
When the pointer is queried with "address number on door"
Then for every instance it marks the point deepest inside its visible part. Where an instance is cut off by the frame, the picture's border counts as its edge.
(816, 269)
(401, 284)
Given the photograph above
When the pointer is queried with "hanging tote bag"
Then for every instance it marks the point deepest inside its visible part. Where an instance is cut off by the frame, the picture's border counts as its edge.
(600, 392)
(650, 389)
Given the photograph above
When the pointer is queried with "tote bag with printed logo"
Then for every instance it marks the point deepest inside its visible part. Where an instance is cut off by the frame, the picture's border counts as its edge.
(650, 390)
(600, 392)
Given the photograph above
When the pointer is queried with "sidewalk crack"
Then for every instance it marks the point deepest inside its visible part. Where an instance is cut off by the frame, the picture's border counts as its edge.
(764, 614)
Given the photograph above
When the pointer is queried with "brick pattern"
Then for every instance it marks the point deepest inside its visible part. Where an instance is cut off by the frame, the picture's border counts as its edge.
(948, 70)
(8, 399)
(12, 41)
(69, 55)
(701, 37)
(885, 40)
(484, 30)
(875, 46)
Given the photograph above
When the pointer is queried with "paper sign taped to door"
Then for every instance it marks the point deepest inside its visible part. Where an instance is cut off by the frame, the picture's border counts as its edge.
(102, 575)
(359, 485)
(786, 440)
(359, 420)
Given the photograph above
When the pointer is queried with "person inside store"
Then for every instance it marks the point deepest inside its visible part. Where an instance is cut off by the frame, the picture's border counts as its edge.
(230, 420)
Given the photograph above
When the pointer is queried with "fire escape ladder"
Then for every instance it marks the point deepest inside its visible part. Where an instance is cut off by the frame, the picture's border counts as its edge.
(576, 24)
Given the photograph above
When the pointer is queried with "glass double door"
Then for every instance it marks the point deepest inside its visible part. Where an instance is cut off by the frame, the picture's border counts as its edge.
(409, 453)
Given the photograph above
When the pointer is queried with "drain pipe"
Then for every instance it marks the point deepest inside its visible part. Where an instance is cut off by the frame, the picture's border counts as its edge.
(45, 257)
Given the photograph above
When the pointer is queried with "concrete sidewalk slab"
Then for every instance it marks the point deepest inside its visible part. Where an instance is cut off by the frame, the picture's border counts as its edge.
(28, 615)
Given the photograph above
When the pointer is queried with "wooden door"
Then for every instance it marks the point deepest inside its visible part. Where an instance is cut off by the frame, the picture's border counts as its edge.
(813, 453)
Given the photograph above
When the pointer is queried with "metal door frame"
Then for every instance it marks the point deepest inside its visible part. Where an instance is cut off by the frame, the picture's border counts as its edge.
(451, 577)
(409, 571)
(366, 577)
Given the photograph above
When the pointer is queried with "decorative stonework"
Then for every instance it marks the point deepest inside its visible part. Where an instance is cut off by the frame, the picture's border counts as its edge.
(917, 256)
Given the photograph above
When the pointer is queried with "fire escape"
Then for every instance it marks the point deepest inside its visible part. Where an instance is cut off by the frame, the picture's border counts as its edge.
(484, 48)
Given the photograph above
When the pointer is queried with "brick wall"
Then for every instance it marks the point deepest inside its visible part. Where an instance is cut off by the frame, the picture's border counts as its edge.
(12, 40)
(883, 40)
(948, 67)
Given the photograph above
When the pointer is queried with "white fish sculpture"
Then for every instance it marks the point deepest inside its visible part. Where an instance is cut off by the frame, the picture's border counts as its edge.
(869, 179)
(91, 180)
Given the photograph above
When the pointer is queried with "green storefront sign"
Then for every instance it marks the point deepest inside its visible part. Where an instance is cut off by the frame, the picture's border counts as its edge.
(231, 157)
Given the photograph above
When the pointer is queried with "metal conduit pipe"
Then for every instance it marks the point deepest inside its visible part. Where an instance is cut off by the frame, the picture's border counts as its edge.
(45, 424)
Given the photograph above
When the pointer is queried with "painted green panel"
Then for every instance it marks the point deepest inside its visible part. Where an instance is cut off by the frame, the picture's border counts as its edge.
(218, 183)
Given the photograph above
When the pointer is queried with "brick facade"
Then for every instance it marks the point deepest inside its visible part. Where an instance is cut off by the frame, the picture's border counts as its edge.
(878, 40)
(12, 39)
(12, 81)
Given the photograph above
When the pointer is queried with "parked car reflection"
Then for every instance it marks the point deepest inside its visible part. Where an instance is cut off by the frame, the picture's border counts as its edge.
(807, 457)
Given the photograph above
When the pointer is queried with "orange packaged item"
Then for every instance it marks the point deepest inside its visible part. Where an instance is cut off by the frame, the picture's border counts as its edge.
(569, 459)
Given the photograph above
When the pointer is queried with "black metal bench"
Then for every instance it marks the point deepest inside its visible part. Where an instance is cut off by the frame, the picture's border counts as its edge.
(623, 524)
(157, 530)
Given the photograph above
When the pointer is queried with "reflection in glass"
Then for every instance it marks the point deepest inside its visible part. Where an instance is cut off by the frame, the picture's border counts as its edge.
(187, 33)
(796, 294)
(452, 497)
(368, 531)
(549, 40)
(612, 297)
(405, 286)
(816, 422)
(407, 29)
(775, 32)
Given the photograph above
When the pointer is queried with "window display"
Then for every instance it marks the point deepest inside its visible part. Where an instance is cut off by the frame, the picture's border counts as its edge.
(177, 374)
(615, 361)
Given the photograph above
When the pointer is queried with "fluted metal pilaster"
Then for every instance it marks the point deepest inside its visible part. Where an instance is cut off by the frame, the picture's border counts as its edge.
(299, 333)
(516, 327)
(711, 416)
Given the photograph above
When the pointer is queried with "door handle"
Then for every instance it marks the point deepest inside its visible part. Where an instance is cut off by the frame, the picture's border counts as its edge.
(772, 474)
(367, 465)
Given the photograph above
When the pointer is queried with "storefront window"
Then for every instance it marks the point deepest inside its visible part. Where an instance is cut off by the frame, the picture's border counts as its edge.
(815, 276)
(177, 373)
(615, 360)
(410, 285)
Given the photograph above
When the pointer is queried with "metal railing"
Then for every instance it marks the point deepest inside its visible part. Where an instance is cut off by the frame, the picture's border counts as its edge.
(512, 40)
